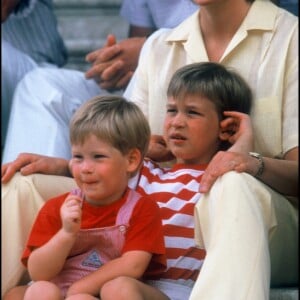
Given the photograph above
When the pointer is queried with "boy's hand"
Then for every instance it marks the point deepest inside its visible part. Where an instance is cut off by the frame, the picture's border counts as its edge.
(240, 132)
(158, 150)
(71, 213)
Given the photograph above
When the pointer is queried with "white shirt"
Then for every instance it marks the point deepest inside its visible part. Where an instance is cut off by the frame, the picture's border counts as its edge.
(157, 13)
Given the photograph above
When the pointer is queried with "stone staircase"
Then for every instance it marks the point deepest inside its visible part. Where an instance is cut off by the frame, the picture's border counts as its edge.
(84, 25)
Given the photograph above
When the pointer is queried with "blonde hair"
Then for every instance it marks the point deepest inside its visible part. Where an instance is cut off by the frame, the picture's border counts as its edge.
(114, 120)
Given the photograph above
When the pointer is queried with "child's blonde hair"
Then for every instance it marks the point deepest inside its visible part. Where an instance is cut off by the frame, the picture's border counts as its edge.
(113, 119)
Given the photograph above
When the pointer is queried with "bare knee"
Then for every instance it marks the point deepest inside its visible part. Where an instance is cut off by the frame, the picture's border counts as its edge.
(48, 289)
(81, 297)
(122, 288)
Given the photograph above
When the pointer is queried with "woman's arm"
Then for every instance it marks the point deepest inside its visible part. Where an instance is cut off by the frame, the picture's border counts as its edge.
(279, 174)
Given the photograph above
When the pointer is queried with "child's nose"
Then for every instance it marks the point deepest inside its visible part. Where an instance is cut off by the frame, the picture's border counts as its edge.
(178, 120)
(87, 166)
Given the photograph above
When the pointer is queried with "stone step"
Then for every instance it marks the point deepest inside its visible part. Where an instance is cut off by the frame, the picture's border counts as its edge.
(84, 25)
(284, 294)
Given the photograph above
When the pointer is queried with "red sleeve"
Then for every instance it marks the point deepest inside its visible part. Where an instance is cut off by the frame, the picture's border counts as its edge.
(146, 233)
(46, 224)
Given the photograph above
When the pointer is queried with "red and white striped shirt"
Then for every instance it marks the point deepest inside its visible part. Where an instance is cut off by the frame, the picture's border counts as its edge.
(176, 192)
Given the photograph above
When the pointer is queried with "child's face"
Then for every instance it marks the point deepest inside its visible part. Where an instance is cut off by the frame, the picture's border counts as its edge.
(191, 129)
(100, 170)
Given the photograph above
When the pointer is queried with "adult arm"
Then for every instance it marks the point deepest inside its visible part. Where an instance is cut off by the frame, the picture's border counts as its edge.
(29, 163)
(279, 174)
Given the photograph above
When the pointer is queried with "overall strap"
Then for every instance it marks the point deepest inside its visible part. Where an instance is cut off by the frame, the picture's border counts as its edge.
(125, 211)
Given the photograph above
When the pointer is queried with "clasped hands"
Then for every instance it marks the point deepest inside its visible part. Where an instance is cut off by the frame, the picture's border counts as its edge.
(113, 65)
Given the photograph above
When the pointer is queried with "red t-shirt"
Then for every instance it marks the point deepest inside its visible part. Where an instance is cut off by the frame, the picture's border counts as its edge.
(144, 233)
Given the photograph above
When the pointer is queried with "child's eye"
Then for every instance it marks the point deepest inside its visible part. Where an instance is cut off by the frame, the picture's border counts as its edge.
(194, 112)
(98, 156)
(171, 111)
(77, 157)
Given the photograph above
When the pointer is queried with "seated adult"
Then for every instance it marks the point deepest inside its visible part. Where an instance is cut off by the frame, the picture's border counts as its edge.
(260, 41)
(44, 109)
(29, 39)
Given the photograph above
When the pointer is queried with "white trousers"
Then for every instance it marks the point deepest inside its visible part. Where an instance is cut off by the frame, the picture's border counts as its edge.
(14, 65)
(237, 223)
(43, 104)
(242, 223)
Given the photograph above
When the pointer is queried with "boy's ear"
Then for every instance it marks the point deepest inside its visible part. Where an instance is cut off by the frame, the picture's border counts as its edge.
(134, 157)
(225, 133)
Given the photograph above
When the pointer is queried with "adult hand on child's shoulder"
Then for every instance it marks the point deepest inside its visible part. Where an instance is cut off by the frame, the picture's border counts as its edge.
(223, 162)
(29, 163)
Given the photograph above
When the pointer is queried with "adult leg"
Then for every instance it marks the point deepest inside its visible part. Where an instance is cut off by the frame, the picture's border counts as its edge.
(21, 199)
(43, 104)
(234, 223)
(14, 65)
(16, 293)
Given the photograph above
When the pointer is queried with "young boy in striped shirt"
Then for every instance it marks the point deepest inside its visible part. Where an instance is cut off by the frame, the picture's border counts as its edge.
(207, 106)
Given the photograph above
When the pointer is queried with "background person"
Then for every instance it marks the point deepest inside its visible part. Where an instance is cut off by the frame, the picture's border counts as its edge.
(29, 39)
(61, 91)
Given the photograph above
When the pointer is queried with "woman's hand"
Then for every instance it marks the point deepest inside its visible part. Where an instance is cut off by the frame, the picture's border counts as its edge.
(225, 161)
(29, 163)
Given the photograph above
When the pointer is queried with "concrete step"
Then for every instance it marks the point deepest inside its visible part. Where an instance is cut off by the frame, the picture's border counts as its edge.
(84, 25)
(284, 294)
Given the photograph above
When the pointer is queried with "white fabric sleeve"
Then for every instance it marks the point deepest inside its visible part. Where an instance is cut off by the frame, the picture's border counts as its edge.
(137, 12)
